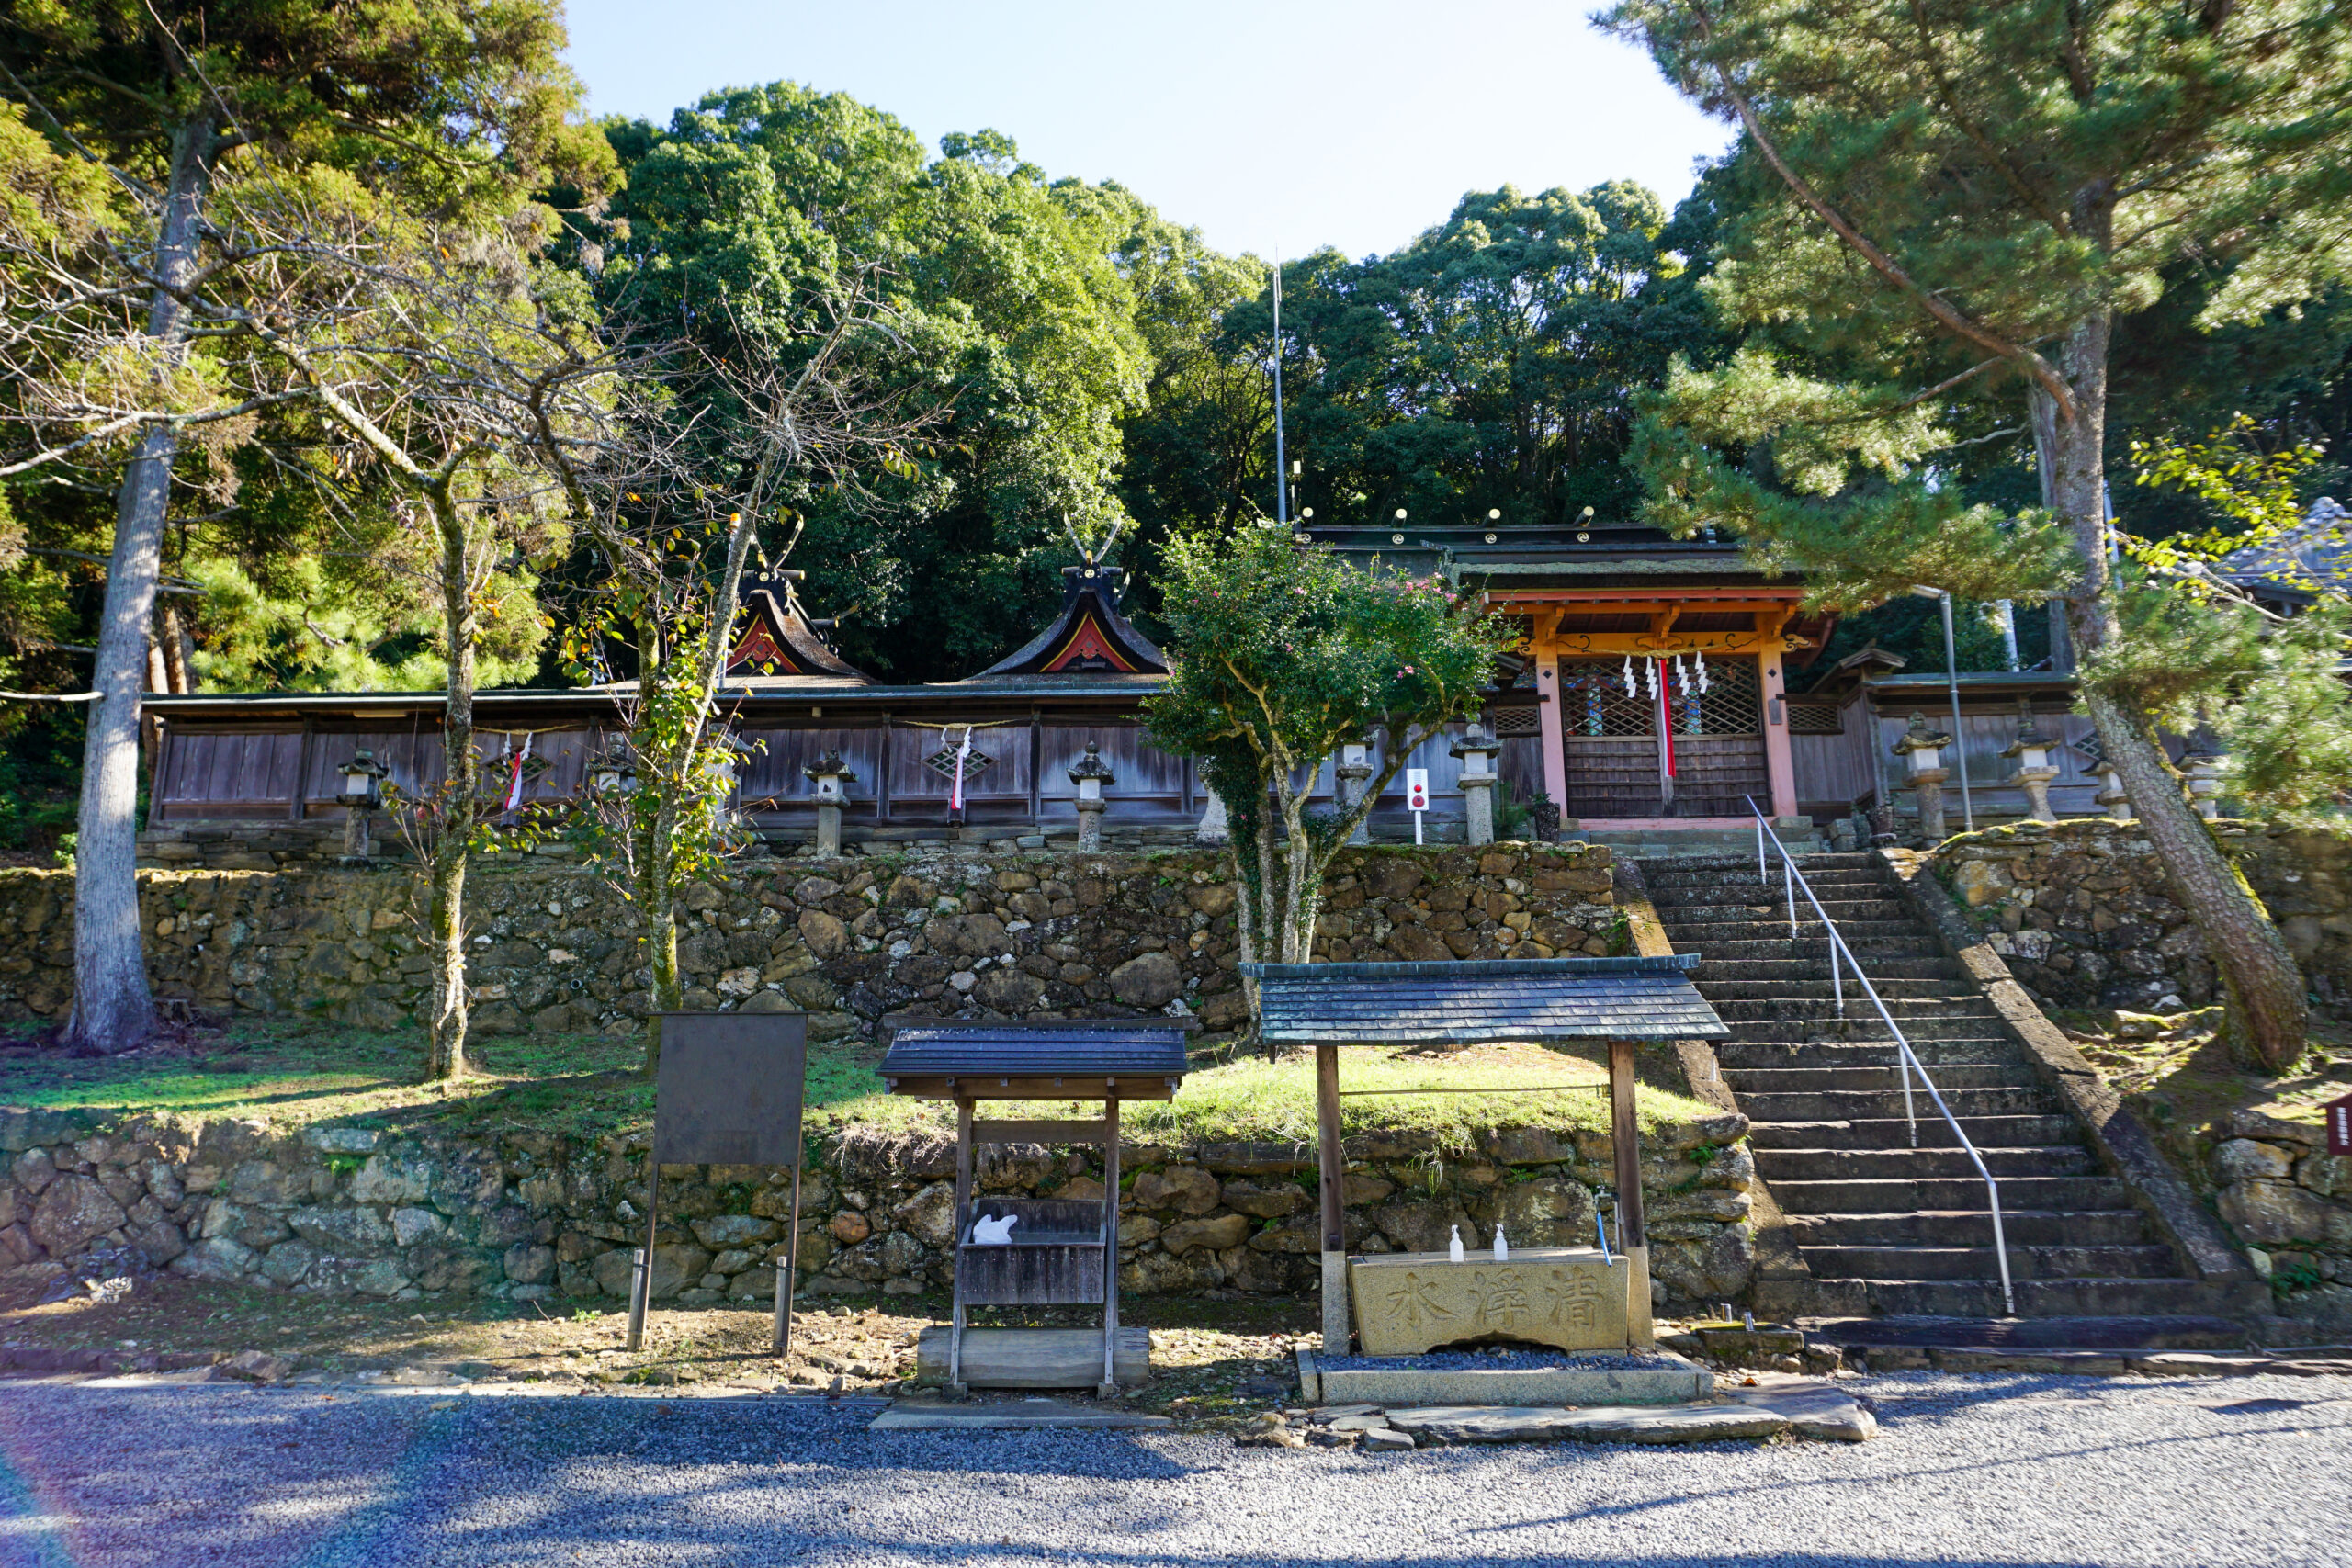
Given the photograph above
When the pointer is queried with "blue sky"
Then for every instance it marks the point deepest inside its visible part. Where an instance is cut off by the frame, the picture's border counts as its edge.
(1283, 124)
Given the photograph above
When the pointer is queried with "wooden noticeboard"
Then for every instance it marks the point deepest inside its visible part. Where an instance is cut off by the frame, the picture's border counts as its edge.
(729, 1091)
(2339, 1126)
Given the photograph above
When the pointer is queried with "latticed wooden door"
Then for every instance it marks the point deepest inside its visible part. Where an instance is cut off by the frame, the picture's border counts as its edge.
(1718, 740)
(1610, 740)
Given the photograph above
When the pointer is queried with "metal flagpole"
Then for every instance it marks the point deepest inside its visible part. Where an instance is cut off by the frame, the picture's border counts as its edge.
(1282, 465)
(1952, 683)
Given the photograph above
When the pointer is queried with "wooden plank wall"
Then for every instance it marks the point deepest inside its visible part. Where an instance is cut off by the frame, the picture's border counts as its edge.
(1834, 772)
(1985, 736)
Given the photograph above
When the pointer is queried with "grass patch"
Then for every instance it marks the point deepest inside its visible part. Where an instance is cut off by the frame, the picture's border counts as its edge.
(1256, 1100)
(289, 1075)
(2185, 1081)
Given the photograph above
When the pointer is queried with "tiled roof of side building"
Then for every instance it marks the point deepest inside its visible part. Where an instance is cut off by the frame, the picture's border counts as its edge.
(978, 1050)
(1484, 1002)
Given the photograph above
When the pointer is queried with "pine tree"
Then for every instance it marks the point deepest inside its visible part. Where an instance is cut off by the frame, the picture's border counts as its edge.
(1971, 191)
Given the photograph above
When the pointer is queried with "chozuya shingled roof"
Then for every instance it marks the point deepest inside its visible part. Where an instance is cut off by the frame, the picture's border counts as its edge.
(1484, 1002)
(978, 1049)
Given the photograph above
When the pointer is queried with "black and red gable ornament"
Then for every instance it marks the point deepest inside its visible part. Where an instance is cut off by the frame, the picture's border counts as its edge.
(1089, 637)
(774, 639)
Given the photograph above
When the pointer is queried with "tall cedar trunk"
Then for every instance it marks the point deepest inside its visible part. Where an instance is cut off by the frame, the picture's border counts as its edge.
(2267, 1011)
(446, 915)
(173, 638)
(113, 1009)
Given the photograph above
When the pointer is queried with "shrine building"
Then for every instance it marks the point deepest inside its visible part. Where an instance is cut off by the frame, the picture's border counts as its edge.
(1663, 685)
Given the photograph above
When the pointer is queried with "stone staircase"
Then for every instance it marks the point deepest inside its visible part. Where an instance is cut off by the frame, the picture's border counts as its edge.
(1887, 1228)
(1669, 839)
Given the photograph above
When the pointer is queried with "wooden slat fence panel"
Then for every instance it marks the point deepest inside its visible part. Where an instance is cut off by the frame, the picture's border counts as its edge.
(775, 785)
(918, 792)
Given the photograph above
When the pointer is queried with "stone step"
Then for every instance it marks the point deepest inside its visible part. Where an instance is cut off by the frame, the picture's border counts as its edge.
(1813, 950)
(1791, 1026)
(1878, 1133)
(1694, 935)
(2077, 1297)
(1905, 1165)
(1948, 1076)
(1664, 846)
(1807, 862)
(1857, 1105)
(1942, 1228)
(1705, 909)
(2119, 1333)
(1884, 973)
(2148, 1260)
(1739, 881)
(1752, 1054)
(1795, 987)
(2022, 1190)
(1904, 1009)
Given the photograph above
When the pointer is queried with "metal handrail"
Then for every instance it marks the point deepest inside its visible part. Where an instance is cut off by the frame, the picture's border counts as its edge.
(1908, 1063)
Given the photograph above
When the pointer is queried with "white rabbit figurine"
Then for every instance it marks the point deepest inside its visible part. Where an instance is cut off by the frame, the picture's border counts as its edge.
(994, 1232)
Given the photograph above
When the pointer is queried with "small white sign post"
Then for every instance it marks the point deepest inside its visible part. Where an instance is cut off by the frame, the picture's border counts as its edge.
(1417, 796)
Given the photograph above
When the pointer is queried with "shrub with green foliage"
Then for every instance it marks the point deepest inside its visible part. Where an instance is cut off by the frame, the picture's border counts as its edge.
(1283, 655)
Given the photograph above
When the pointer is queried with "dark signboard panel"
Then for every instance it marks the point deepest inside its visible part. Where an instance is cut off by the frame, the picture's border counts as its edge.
(729, 1089)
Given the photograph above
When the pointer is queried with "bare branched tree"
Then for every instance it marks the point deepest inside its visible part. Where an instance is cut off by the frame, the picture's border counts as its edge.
(726, 447)
(473, 378)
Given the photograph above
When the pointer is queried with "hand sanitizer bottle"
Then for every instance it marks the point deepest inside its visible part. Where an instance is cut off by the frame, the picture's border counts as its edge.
(1453, 1246)
(1502, 1247)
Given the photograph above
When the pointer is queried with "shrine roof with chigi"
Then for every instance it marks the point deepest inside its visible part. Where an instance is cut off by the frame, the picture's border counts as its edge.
(775, 640)
(1483, 1002)
(1090, 637)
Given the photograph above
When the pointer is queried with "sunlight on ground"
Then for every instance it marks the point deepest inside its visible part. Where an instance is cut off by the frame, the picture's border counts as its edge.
(289, 1073)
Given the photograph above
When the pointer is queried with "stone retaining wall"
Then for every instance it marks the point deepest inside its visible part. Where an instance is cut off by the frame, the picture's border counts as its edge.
(949, 928)
(347, 1209)
(2083, 916)
(2277, 1185)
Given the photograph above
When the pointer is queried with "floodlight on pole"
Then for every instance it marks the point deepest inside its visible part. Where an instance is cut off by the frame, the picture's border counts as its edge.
(1952, 683)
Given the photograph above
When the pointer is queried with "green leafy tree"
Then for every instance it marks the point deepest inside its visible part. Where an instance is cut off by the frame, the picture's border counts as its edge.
(1283, 655)
(143, 108)
(1490, 365)
(1014, 321)
(1971, 194)
(2203, 652)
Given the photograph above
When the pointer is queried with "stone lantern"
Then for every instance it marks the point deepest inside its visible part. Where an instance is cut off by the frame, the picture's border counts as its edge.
(1921, 750)
(1477, 751)
(362, 791)
(2204, 772)
(2031, 749)
(1351, 773)
(831, 778)
(1089, 773)
(2110, 793)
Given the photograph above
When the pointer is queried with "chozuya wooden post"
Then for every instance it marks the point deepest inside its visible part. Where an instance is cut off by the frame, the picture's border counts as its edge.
(1330, 1162)
(1632, 1236)
(1109, 1388)
(640, 1291)
(787, 1273)
(963, 1225)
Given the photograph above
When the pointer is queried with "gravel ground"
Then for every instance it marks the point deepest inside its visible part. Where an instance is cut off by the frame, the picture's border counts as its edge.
(1967, 1470)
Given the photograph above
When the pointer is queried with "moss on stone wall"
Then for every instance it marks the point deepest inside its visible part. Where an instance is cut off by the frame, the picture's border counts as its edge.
(949, 930)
